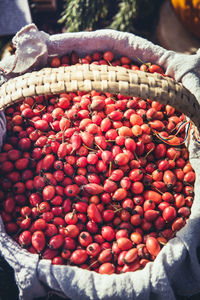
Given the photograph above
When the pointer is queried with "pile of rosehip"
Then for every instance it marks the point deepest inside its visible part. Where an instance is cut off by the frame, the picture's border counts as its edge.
(86, 180)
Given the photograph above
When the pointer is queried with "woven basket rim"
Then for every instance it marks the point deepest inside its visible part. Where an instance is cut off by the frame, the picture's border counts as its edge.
(104, 78)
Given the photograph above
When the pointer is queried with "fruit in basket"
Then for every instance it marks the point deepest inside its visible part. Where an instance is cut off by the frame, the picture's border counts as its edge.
(95, 179)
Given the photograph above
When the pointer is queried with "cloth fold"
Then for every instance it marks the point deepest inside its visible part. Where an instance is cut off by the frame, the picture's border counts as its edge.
(24, 264)
(178, 259)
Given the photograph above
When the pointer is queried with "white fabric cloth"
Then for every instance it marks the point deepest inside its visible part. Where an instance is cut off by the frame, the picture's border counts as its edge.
(176, 269)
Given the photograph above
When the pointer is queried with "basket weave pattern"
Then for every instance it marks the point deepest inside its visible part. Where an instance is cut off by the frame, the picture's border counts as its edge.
(101, 78)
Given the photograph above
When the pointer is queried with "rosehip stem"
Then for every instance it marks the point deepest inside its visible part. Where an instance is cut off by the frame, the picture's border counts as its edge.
(110, 168)
(89, 148)
(158, 190)
(99, 147)
(148, 152)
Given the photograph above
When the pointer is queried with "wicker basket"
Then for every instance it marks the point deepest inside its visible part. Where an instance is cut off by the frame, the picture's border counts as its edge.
(105, 79)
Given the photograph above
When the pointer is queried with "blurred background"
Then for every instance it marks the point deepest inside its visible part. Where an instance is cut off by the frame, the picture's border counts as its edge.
(172, 24)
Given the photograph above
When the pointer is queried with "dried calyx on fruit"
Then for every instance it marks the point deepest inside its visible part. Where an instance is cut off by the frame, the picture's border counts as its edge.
(93, 179)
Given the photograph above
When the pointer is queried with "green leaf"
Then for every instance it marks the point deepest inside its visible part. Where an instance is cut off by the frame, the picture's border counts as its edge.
(137, 16)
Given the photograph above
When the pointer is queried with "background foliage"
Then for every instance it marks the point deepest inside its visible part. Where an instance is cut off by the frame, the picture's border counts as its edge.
(136, 16)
